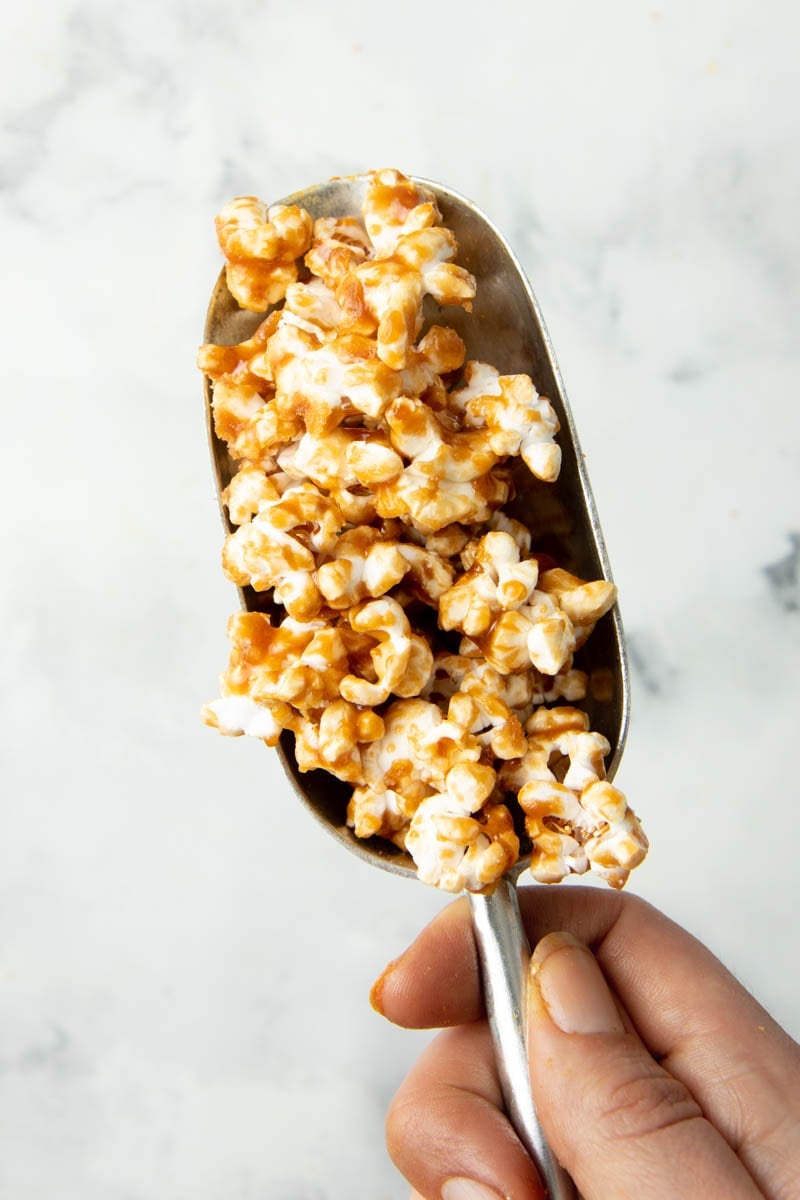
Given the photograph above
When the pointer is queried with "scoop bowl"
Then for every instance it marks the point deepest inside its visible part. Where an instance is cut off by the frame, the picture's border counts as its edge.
(506, 329)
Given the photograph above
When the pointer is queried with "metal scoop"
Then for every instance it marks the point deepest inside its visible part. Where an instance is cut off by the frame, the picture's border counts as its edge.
(505, 328)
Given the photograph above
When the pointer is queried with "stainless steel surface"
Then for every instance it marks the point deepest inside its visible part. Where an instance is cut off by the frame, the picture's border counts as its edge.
(504, 956)
(506, 329)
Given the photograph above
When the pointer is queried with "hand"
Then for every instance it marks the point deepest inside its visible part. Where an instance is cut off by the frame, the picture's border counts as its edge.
(656, 1076)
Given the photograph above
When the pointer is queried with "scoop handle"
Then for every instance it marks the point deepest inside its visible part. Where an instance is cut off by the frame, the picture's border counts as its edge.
(504, 956)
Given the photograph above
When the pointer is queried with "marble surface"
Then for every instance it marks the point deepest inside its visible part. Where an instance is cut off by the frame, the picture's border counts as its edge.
(183, 1008)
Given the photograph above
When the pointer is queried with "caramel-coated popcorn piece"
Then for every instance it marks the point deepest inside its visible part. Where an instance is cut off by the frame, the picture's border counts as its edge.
(574, 817)
(243, 363)
(515, 619)
(252, 424)
(297, 664)
(238, 713)
(384, 296)
(418, 747)
(538, 633)
(433, 450)
(496, 604)
(277, 548)
(394, 206)
(413, 252)
(338, 245)
(365, 563)
(261, 246)
(485, 703)
(313, 308)
(343, 457)
(247, 492)
(326, 382)
(458, 842)
(385, 813)
(514, 418)
(521, 691)
(440, 352)
(496, 582)
(387, 623)
(430, 504)
(584, 603)
(333, 743)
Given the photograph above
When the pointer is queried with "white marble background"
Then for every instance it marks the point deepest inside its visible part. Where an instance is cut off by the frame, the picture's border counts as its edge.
(184, 956)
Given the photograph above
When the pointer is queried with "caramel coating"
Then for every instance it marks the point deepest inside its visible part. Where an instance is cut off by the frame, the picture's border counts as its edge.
(261, 247)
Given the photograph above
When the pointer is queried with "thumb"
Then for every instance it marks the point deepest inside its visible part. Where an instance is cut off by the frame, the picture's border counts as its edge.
(622, 1126)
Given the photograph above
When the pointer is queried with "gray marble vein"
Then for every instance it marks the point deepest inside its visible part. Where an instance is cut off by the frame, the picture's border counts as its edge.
(783, 577)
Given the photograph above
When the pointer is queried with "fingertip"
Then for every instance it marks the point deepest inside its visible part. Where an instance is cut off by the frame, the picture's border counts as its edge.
(559, 939)
(434, 982)
(376, 992)
(453, 916)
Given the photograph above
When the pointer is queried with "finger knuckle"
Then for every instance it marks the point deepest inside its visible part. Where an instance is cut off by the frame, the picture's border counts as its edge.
(402, 1126)
(646, 1103)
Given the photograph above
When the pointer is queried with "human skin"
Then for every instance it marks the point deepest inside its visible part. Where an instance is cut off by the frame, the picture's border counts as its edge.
(655, 1074)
